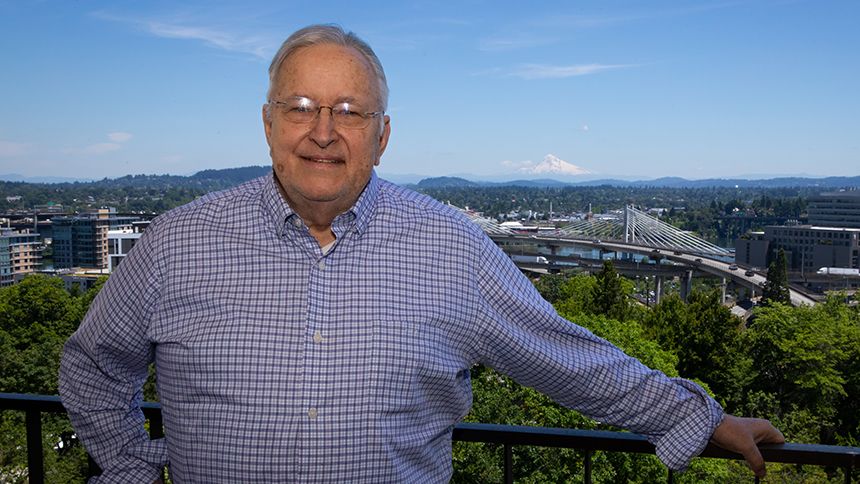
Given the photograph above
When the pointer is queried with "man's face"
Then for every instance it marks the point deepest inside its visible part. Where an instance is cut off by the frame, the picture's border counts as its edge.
(321, 162)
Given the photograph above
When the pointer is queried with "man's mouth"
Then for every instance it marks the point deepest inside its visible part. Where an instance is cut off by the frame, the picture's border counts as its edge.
(329, 161)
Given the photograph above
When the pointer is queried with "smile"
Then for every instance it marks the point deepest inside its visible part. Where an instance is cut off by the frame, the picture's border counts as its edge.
(323, 160)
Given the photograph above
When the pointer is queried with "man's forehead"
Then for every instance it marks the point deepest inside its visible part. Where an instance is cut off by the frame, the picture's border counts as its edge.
(296, 75)
(324, 55)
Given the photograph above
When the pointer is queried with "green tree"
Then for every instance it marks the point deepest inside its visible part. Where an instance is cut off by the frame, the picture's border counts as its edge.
(707, 339)
(37, 315)
(776, 287)
(806, 364)
(552, 287)
(610, 293)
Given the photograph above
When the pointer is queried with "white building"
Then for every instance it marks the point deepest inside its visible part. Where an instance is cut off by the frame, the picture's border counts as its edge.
(121, 241)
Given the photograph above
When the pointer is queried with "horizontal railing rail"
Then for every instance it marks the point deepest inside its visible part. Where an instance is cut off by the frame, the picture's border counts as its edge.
(846, 458)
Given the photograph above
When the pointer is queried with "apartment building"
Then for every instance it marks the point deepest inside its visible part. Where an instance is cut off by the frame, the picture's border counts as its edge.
(82, 240)
(20, 254)
(807, 247)
(835, 209)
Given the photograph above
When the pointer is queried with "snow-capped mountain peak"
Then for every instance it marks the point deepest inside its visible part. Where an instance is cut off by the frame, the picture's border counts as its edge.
(553, 165)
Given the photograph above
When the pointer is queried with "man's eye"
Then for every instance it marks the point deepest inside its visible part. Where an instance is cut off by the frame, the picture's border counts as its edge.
(347, 112)
(302, 109)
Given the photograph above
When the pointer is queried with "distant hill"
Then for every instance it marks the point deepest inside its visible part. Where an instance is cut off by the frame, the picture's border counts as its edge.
(15, 177)
(666, 182)
(209, 180)
(206, 180)
(235, 175)
(828, 182)
(446, 182)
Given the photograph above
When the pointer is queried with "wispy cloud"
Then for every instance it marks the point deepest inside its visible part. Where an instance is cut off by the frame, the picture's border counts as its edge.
(99, 148)
(603, 20)
(224, 40)
(119, 136)
(544, 71)
(9, 149)
(512, 43)
(114, 143)
(256, 45)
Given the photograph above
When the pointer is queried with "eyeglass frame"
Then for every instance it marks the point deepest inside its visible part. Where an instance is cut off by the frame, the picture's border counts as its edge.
(367, 116)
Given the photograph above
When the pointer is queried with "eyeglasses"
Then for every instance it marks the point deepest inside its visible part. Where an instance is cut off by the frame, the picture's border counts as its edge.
(301, 110)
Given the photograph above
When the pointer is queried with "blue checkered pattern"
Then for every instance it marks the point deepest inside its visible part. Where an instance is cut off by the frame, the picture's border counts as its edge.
(277, 363)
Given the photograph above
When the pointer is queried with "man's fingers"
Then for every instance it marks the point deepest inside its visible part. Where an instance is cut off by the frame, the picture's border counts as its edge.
(742, 434)
(754, 460)
(761, 431)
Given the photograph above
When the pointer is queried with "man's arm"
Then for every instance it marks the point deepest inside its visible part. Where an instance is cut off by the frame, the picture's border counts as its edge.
(523, 337)
(104, 366)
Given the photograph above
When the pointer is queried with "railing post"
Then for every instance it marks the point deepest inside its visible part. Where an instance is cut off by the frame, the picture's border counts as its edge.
(587, 470)
(509, 464)
(156, 426)
(93, 468)
(848, 474)
(671, 478)
(35, 462)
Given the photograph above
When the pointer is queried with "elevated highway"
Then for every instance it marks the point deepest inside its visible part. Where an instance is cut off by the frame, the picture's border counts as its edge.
(689, 260)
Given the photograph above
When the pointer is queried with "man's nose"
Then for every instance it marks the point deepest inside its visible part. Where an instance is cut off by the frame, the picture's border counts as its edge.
(323, 128)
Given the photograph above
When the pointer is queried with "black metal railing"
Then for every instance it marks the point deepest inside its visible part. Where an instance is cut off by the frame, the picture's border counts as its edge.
(589, 441)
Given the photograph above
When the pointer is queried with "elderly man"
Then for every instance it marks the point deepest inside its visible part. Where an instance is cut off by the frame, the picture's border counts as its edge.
(319, 324)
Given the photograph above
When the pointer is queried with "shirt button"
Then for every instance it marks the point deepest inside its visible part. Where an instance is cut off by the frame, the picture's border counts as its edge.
(296, 222)
(321, 264)
(317, 337)
(312, 413)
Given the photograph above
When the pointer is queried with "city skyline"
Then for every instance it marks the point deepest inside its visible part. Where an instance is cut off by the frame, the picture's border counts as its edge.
(486, 89)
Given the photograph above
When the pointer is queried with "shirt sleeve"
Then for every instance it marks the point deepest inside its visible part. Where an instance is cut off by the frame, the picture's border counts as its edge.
(523, 337)
(104, 365)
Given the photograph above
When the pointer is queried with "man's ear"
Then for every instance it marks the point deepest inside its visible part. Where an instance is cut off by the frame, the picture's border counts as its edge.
(267, 124)
(383, 137)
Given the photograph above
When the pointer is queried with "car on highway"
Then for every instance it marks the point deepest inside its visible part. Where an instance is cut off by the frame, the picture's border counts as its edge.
(733, 267)
(749, 273)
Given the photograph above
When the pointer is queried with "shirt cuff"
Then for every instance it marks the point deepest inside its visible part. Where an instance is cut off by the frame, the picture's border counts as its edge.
(689, 437)
(145, 465)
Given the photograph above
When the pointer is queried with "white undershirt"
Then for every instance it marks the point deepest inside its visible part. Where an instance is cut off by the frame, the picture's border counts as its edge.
(327, 247)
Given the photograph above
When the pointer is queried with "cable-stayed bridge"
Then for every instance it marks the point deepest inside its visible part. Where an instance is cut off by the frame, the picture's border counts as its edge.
(636, 232)
(632, 227)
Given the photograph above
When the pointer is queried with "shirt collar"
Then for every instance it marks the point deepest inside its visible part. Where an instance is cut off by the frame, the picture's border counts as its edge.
(282, 214)
(275, 204)
(363, 208)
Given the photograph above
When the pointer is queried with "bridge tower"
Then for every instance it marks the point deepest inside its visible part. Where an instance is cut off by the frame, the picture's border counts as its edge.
(687, 285)
(629, 226)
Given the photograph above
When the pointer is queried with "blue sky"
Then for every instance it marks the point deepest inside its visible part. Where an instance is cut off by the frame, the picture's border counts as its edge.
(633, 89)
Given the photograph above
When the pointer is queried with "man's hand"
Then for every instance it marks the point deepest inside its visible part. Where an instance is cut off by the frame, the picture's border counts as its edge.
(739, 434)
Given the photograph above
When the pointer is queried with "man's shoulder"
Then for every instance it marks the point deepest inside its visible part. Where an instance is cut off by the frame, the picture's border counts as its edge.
(215, 207)
(413, 210)
(407, 202)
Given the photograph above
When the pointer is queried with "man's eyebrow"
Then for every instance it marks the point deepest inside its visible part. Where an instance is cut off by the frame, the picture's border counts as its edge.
(346, 99)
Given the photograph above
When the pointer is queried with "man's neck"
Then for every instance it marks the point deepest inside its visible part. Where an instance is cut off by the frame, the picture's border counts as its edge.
(318, 216)
(324, 235)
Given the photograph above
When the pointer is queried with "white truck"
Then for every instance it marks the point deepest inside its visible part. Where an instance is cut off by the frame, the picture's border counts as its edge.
(529, 259)
(839, 271)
